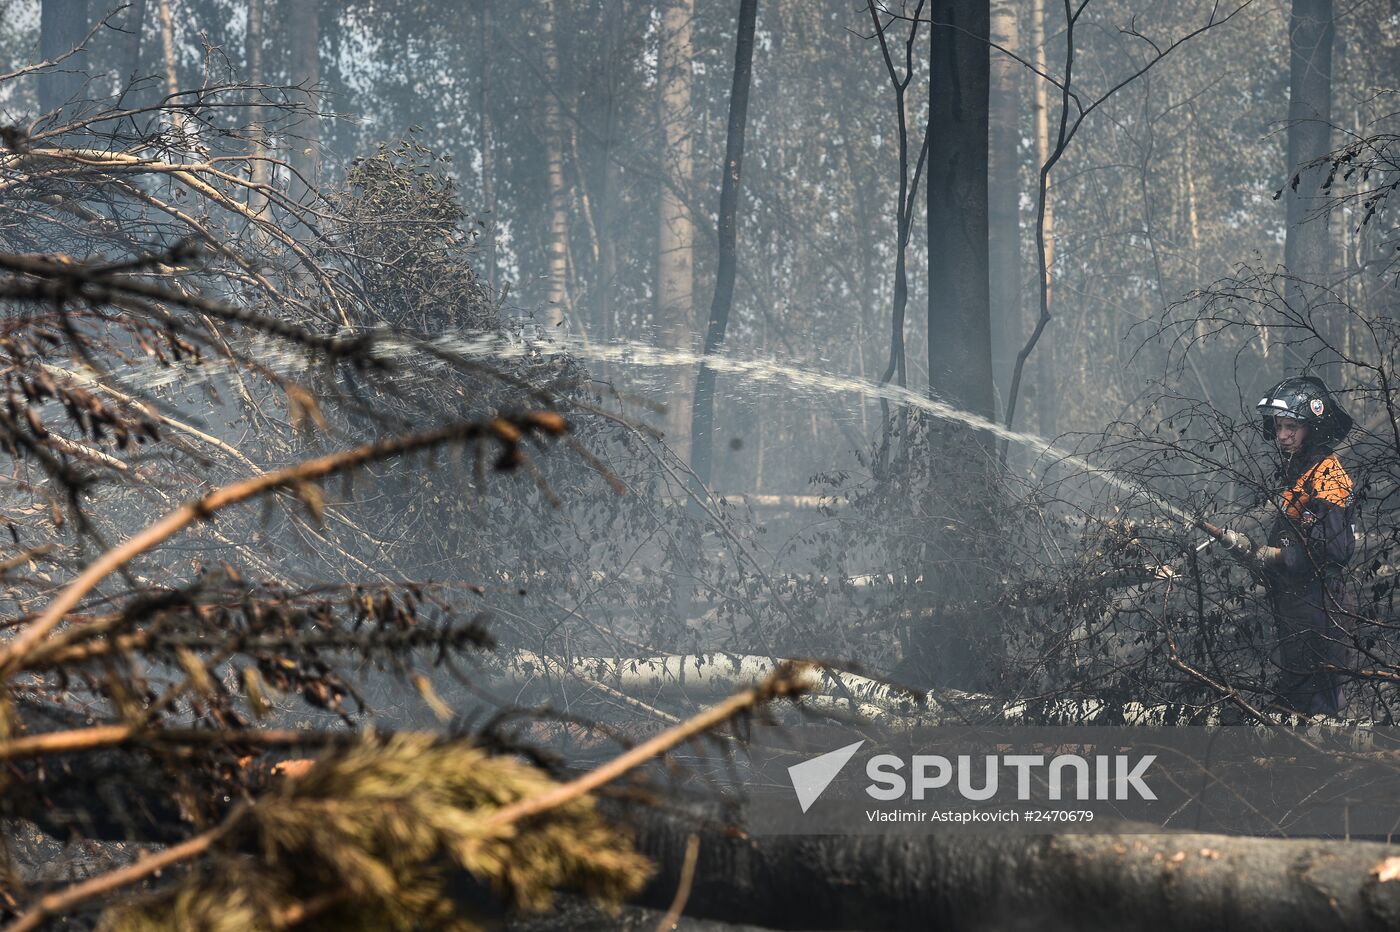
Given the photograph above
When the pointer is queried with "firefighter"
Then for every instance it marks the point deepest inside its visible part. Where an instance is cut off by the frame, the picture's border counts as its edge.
(1312, 539)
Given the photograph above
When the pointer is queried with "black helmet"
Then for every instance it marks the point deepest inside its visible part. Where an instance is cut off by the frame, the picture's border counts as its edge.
(1305, 398)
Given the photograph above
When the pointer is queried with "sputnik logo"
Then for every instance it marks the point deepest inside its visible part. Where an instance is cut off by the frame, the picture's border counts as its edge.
(811, 778)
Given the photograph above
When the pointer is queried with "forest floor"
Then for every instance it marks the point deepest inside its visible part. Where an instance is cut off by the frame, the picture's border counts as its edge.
(578, 915)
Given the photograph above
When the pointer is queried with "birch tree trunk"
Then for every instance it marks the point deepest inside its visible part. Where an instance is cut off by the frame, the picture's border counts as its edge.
(1047, 397)
(557, 297)
(262, 171)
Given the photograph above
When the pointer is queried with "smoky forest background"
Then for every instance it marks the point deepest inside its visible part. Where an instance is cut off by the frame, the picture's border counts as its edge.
(425, 420)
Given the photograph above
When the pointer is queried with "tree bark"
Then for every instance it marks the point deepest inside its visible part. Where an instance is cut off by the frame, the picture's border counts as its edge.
(959, 312)
(63, 24)
(1307, 247)
(262, 171)
(702, 427)
(557, 299)
(1004, 194)
(675, 272)
(956, 498)
(1047, 397)
(167, 47)
(1079, 883)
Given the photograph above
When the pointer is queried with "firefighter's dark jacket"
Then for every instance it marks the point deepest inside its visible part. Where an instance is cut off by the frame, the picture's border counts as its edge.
(1314, 529)
(1314, 524)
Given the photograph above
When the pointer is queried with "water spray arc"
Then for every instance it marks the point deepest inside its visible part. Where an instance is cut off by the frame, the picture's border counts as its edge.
(422, 359)
(648, 356)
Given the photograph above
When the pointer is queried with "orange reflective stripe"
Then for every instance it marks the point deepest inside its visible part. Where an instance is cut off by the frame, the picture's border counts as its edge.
(1328, 480)
(1332, 483)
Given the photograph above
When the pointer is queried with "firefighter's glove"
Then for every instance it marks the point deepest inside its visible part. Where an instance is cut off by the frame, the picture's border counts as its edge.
(1269, 556)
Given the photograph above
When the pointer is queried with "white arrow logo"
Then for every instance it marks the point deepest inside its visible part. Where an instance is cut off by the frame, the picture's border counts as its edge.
(811, 778)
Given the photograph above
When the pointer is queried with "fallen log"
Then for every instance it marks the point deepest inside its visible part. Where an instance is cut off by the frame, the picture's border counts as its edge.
(1069, 882)
(705, 676)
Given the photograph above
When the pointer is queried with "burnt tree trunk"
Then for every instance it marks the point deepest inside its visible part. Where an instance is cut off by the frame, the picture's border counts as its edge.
(897, 369)
(702, 424)
(1307, 251)
(959, 309)
(959, 511)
